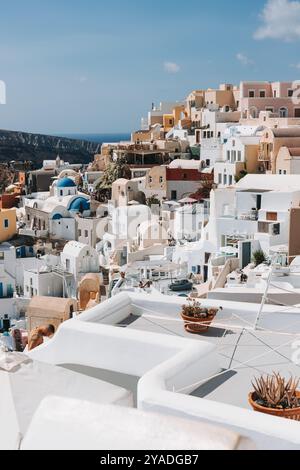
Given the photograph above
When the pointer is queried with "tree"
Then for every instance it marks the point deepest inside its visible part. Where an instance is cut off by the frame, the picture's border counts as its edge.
(153, 201)
(241, 175)
(115, 170)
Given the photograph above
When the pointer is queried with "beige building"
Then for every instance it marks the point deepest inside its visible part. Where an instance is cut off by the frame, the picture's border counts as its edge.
(49, 310)
(156, 182)
(125, 191)
(288, 161)
(276, 97)
(8, 224)
(224, 97)
(272, 141)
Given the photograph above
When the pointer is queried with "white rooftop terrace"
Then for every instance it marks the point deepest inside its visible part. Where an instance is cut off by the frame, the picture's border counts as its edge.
(205, 377)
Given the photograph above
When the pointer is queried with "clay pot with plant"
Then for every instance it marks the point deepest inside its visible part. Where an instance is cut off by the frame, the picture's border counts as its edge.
(197, 319)
(276, 396)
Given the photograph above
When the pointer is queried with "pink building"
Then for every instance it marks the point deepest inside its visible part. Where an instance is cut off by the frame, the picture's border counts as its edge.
(279, 98)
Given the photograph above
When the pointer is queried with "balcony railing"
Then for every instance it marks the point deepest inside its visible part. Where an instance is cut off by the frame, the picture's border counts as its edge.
(263, 157)
(253, 215)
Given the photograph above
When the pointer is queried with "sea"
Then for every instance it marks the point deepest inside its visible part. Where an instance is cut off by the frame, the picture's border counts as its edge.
(100, 138)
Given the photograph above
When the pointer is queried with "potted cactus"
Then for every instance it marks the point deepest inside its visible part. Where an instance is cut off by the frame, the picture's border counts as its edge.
(197, 319)
(274, 395)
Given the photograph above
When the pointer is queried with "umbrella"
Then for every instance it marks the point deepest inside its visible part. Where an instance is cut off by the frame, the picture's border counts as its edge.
(188, 200)
(24, 383)
(171, 203)
(133, 203)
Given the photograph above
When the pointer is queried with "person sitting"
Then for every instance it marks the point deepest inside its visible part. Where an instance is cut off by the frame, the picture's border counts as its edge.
(36, 337)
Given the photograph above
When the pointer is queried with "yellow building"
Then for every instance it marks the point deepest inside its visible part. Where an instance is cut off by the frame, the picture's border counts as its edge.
(8, 224)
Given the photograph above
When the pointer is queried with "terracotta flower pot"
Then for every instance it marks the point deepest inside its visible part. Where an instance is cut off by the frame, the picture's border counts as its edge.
(293, 413)
(198, 325)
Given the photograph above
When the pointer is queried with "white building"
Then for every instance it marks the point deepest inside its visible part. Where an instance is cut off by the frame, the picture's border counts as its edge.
(44, 283)
(78, 260)
(214, 125)
(54, 214)
(189, 221)
(255, 209)
(239, 154)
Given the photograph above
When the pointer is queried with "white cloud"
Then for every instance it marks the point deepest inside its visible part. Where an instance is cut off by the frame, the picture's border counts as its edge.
(280, 20)
(296, 66)
(171, 67)
(83, 79)
(243, 59)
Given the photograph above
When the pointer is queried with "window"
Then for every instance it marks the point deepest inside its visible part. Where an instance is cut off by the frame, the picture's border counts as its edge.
(228, 155)
(79, 233)
(280, 172)
(207, 162)
(150, 179)
(225, 179)
(262, 94)
(161, 180)
(258, 202)
(276, 229)
(61, 192)
(230, 180)
(2, 255)
(275, 93)
(174, 195)
(239, 156)
(184, 176)
(290, 93)
(6, 223)
(272, 216)
(283, 112)
(270, 110)
(220, 178)
(297, 113)
(86, 234)
(251, 94)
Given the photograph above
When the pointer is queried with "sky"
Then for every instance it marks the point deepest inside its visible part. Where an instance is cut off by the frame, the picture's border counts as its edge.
(96, 66)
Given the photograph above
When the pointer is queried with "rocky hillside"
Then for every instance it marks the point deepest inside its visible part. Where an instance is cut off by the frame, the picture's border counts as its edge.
(23, 146)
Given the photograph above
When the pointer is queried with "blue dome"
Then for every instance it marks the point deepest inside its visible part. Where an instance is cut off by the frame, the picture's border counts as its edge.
(79, 205)
(66, 183)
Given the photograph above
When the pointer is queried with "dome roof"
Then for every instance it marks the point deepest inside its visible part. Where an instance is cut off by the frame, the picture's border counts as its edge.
(66, 183)
(79, 205)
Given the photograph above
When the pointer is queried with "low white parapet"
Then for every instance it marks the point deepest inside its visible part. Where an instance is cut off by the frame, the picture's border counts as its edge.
(165, 364)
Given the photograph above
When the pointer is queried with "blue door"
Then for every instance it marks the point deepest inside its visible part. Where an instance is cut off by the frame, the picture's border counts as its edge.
(1, 290)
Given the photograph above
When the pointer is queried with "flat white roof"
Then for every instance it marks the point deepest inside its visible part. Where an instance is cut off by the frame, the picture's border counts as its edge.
(284, 183)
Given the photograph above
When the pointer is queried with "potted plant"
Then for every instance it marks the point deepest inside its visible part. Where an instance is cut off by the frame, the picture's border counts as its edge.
(259, 257)
(276, 396)
(197, 319)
